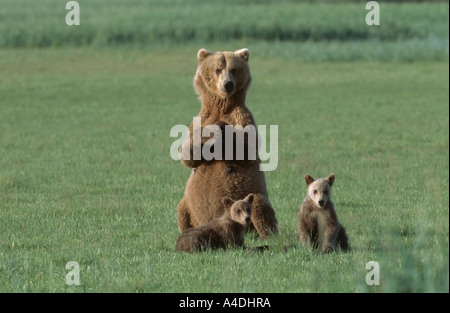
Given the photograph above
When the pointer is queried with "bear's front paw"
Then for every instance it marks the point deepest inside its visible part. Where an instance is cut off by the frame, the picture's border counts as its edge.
(221, 124)
(328, 249)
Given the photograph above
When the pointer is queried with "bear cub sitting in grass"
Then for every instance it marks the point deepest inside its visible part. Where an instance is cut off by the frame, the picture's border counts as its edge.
(318, 223)
(220, 233)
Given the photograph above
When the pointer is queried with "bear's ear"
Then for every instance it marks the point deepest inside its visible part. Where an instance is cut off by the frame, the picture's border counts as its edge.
(249, 198)
(202, 54)
(227, 201)
(309, 180)
(243, 53)
(330, 180)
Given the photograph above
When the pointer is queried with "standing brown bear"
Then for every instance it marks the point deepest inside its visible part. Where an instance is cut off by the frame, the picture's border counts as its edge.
(318, 223)
(221, 82)
(220, 233)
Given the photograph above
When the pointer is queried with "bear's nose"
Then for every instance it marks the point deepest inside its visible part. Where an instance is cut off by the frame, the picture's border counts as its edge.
(321, 202)
(247, 219)
(229, 86)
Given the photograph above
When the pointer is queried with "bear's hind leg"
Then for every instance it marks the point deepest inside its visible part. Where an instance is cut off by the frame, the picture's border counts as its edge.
(342, 239)
(183, 216)
(263, 216)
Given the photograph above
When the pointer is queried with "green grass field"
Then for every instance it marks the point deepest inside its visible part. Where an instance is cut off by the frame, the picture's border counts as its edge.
(327, 30)
(86, 174)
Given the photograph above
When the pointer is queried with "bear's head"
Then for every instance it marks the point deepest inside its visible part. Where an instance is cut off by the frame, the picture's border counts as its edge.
(222, 74)
(319, 191)
(241, 210)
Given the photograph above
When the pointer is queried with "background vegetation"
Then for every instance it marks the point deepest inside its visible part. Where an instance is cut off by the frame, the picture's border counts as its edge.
(85, 116)
(333, 30)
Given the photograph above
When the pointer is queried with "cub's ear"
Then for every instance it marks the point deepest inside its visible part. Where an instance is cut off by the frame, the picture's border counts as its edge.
(202, 54)
(249, 198)
(227, 201)
(243, 53)
(309, 180)
(330, 180)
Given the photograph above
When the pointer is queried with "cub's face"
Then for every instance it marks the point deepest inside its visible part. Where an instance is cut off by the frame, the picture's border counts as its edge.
(319, 191)
(223, 73)
(240, 210)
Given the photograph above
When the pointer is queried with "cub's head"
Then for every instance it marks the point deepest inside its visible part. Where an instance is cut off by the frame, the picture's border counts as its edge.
(319, 191)
(222, 73)
(240, 210)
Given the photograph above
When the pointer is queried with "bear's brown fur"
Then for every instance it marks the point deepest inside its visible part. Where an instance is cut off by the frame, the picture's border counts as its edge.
(221, 81)
(318, 223)
(220, 233)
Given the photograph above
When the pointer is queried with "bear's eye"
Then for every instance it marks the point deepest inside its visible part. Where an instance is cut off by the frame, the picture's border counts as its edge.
(218, 71)
(325, 192)
(315, 191)
(239, 211)
(233, 71)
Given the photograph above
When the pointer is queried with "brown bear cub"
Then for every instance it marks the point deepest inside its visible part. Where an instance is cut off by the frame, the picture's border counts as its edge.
(318, 223)
(220, 233)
